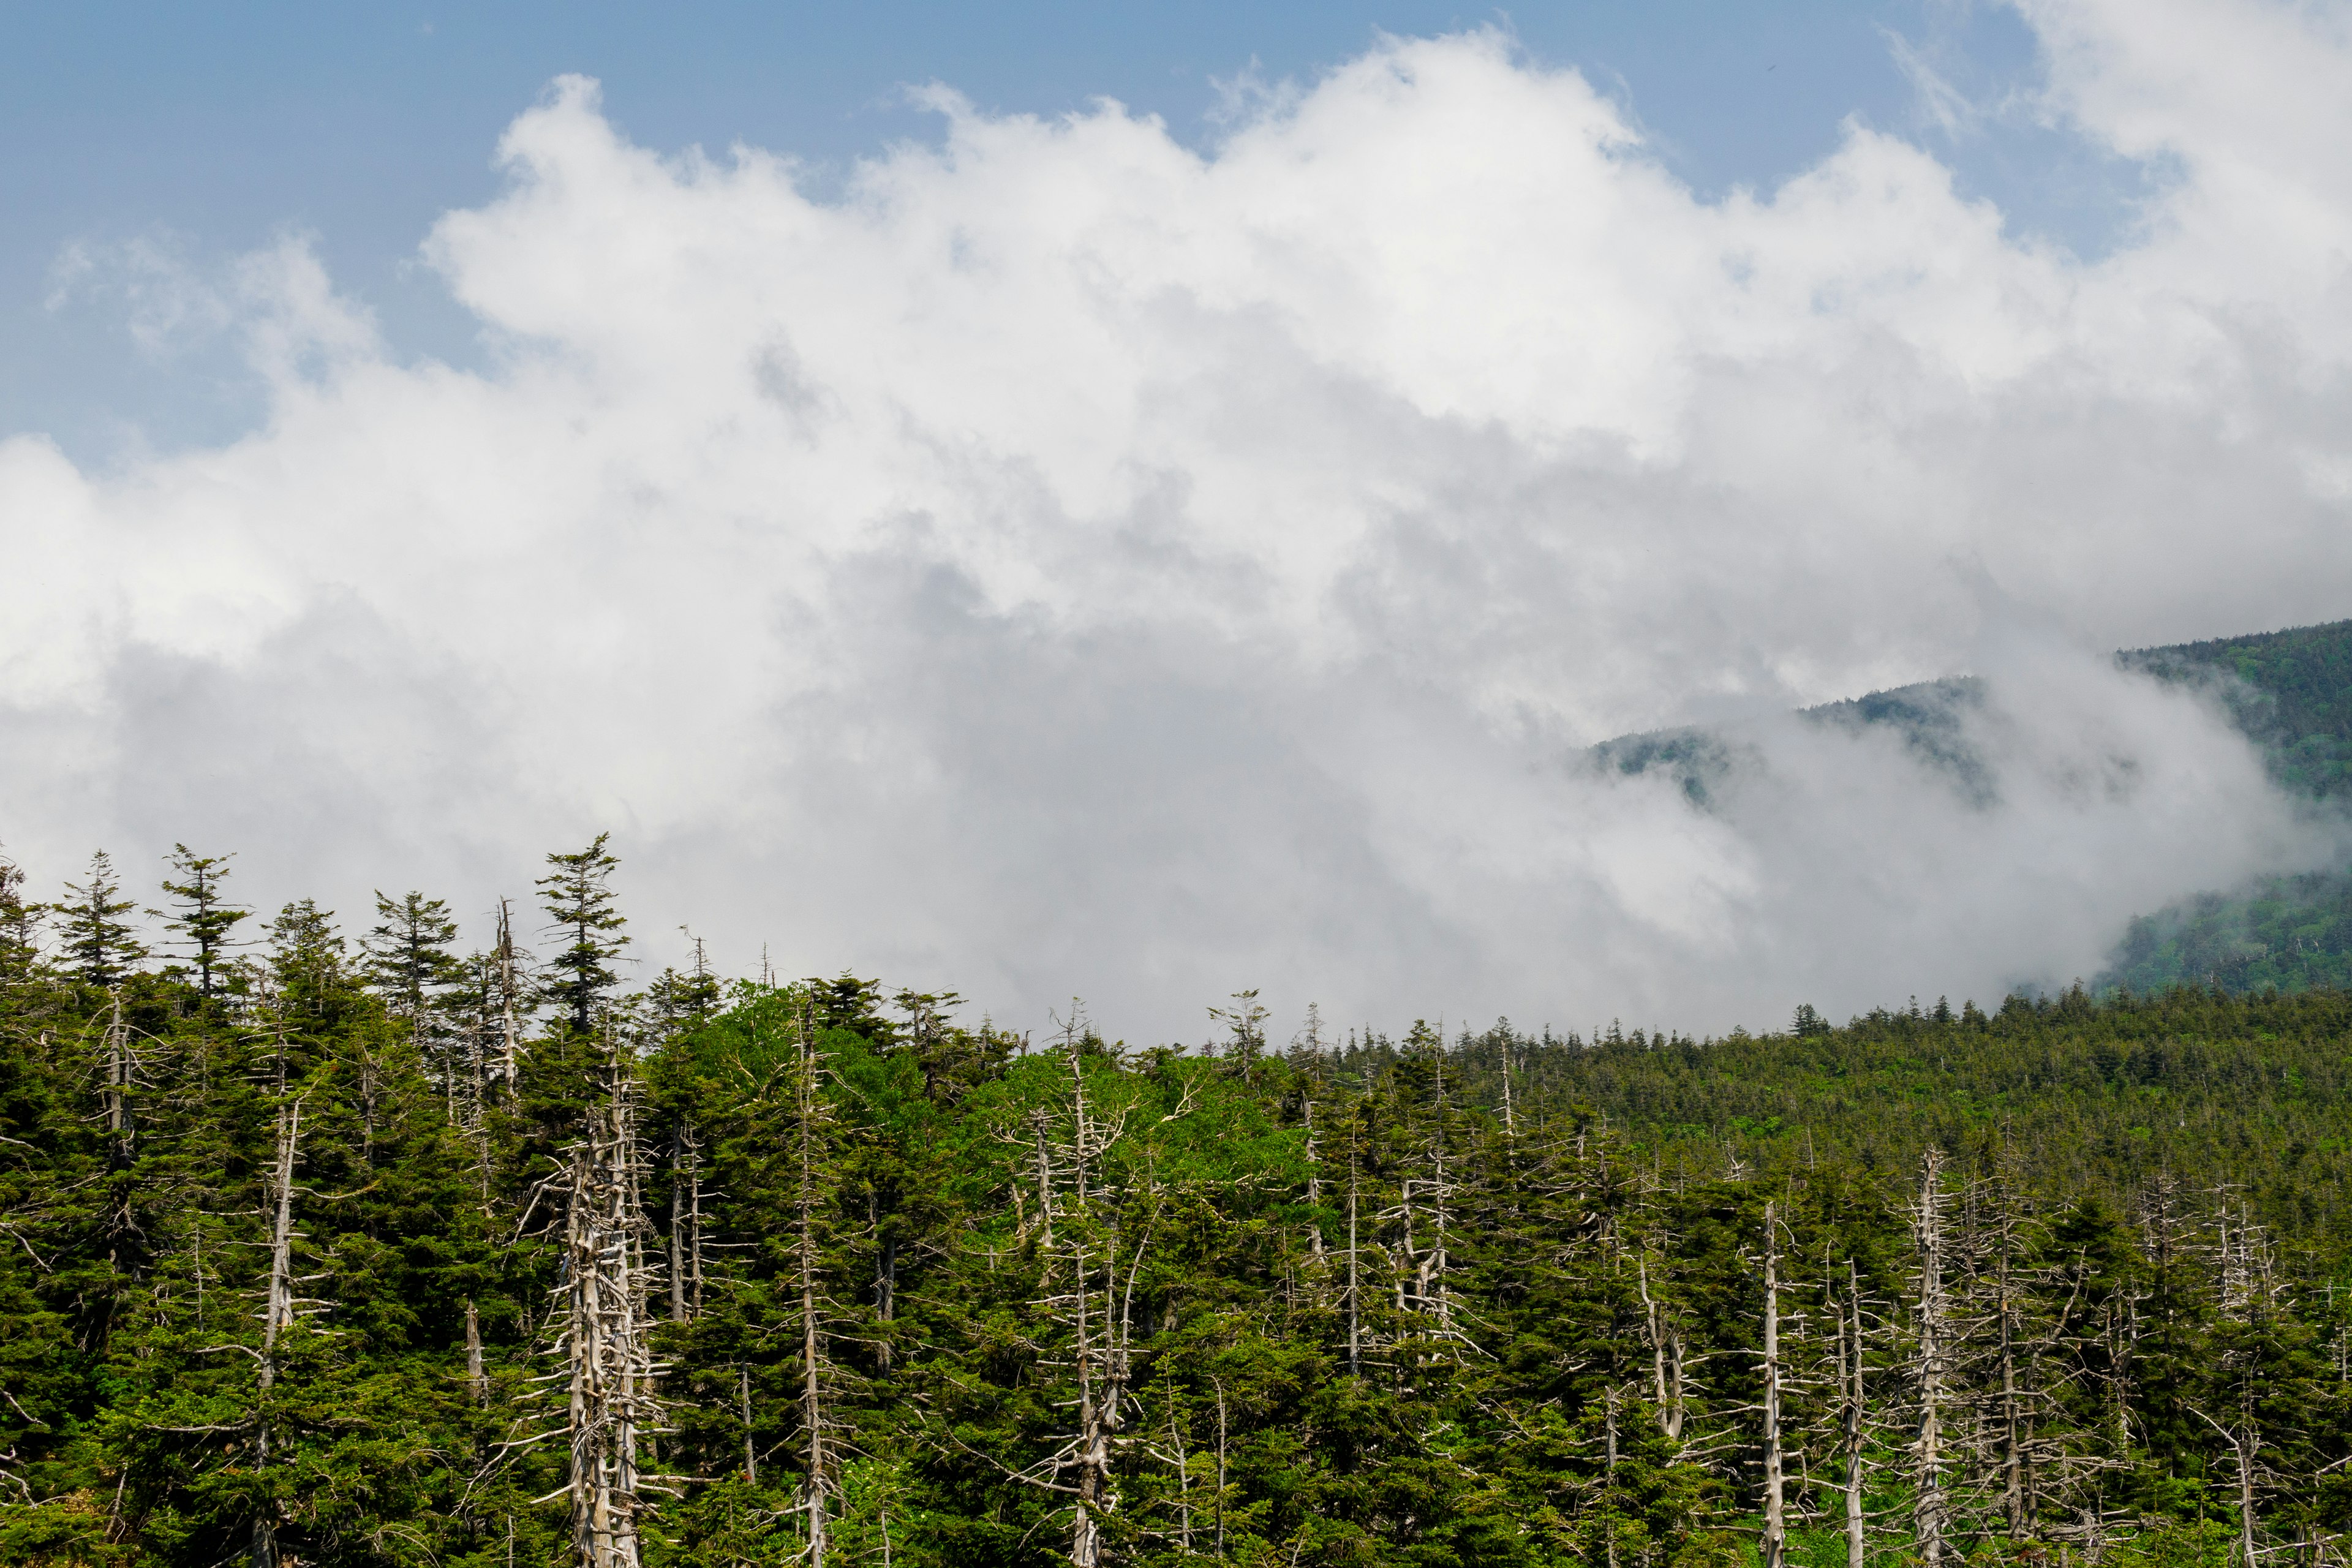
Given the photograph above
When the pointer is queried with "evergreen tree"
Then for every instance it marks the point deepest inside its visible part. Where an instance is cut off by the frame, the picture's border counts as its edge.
(408, 955)
(863, 1284)
(97, 941)
(20, 926)
(681, 1001)
(581, 906)
(204, 917)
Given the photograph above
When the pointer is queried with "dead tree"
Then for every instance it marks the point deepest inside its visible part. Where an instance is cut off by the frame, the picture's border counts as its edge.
(1853, 1415)
(1081, 1286)
(2242, 1260)
(1100, 1352)
(1355, 1286)
(125, 1238)
(1928, 1501)
(610, 1371)
(809, 1114)
(1666, 1360)
(684, 1227)
(1776, 1510)
(510, 1036)
(277, 1311)
(477, 1382)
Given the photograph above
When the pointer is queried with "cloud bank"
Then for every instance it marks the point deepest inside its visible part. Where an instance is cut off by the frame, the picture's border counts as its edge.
(1066, 562)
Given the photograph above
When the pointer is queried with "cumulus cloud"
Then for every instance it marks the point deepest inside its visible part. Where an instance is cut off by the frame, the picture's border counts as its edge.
(1064, 561)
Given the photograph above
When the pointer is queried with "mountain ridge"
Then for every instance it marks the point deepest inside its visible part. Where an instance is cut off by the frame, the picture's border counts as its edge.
(2288, 691)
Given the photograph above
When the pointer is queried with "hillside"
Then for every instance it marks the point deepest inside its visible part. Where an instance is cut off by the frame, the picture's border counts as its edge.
(2289, 691)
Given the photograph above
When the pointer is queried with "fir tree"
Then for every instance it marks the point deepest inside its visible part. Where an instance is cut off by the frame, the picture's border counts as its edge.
(97, 939)
(204, 917)
(20, 926)
(408, 955)
(581, 906)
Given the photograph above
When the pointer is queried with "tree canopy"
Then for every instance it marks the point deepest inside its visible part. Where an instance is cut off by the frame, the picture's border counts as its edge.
(322, 1264)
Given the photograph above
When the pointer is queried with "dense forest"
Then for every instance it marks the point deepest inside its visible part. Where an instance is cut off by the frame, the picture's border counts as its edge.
(328, 1243)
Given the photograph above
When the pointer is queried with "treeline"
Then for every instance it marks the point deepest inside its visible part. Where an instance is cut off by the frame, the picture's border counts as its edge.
(353, 1249)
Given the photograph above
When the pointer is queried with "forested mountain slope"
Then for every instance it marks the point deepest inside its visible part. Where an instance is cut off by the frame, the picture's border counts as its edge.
(2289, 691)
(366, 1252)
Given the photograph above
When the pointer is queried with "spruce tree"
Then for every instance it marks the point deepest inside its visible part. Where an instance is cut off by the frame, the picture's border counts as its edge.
(97, 939)
(408, 953)
(204, 916)
(678, 1001)
(581, 906)
(20, 926)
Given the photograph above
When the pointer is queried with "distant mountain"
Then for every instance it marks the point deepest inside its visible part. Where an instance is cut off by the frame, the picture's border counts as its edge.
(2289, 691)
(1928, 716)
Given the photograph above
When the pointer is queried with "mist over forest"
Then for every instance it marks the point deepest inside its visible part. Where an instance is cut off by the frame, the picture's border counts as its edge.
(1397, 829)
(338, 1242)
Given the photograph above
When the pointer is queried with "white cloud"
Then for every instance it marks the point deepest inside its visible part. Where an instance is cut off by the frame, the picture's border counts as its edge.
(1070, 563)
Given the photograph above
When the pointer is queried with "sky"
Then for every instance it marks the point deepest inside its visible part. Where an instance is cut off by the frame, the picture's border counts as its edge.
(1144, 502)
(195, 133)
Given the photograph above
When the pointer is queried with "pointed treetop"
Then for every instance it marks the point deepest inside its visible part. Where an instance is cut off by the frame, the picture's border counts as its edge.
(583, 909)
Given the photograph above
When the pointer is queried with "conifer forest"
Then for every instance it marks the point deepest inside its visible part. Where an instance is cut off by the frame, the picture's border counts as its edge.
(327, 1243)
(1377, 784)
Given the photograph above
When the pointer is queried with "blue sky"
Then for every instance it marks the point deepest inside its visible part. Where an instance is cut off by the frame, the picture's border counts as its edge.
(202, 130)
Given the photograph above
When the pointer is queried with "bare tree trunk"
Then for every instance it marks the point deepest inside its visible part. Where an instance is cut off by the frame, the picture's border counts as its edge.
(1085, 1543)
(510, 1055)
(1184, 1486)
(1355, 1324)
(1094, 1438)
(1775, 1512)
(743, 1395)
(277, 1313)
(1314, 1182)
(1433, 1287)
(1666, 1362)
(1609, 1475)
(610, 1365)
(694, 1228)
(1850, 1376)
(118, 1084)
(367, 1107)
(477, 1383)
(1416, 1270)
(1045, 1190)
(1510, 1126)
(677, 1241)
(2247, 1442)
(1218, 1383)
(2012, 1480)
(813, 1417)
(685, 1225)
(121, 1220)
(1929, 1501)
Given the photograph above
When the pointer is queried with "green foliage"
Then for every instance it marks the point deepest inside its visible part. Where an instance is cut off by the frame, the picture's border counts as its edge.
(408, 953)
(204, 917)
(2291, 692)
(97, 938)
(2288, 933)
(584, 911)
(1493, 1300)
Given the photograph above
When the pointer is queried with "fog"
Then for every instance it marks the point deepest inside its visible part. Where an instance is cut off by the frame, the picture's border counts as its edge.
(1063, 561)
